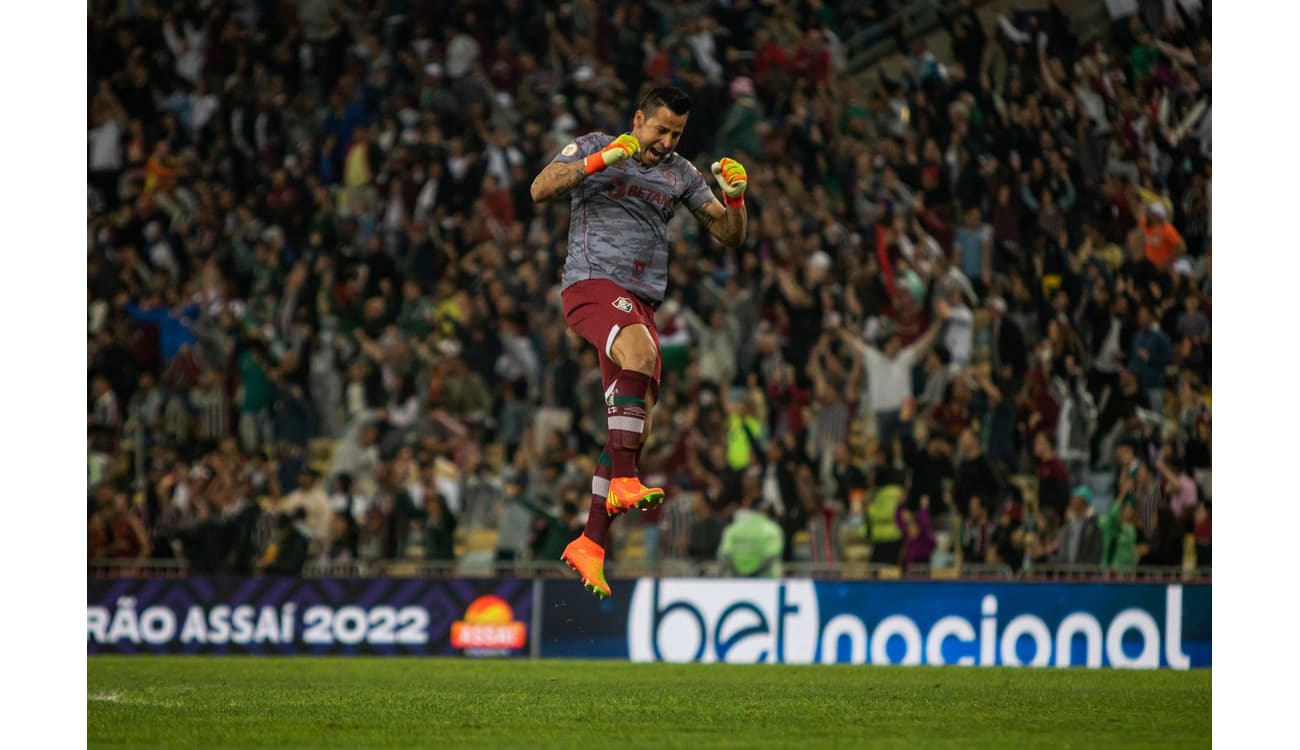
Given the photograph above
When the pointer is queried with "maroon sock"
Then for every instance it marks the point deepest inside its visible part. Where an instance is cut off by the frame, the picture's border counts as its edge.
(627, 411)
(598, 520)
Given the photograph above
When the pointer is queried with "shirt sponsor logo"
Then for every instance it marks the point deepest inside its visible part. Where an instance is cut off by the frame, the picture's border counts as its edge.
(619, 189)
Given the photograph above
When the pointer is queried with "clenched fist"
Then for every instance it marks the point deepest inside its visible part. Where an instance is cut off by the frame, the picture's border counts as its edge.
(733, 180)
(623, 147)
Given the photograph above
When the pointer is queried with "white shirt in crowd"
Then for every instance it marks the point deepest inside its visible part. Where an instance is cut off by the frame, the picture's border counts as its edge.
(106, 147)
(317, 505)
(959, 337)
(889, 381)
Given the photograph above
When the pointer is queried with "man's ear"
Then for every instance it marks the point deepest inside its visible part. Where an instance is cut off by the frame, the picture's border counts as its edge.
(638, 120)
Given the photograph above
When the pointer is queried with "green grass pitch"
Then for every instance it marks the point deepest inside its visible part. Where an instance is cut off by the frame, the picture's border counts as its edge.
(176, 702)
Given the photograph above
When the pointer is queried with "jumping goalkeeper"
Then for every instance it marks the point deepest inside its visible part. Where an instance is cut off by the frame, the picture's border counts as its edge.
(623, 193)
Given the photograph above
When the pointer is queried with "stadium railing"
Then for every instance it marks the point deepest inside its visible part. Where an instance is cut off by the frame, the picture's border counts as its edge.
(669, 568)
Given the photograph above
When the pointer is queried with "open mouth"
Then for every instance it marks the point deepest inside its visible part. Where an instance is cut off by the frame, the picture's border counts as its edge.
(657, 152)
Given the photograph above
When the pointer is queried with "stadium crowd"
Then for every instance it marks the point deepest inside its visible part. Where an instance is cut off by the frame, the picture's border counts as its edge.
(324, 317)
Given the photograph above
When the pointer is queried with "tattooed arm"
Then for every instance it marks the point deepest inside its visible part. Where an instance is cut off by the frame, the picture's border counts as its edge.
(726, 224)
(558, 178)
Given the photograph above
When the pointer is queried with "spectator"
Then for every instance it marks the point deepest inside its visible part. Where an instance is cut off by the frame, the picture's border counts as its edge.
(286, 555)
(1180, 489)
(889, 372)
(918, 537)
(705, 532)
(439, 528)
(1042, 538)
(257, 389)
(975, 476)
(959, 335)
(1053, 477)
(1150, 354)
(1164, 244)
(848, 477)
(882, 518)
(513, 525)
(103, 425)
(551, 531)
(1007, 542)
(1008, 349)
(1122, 543)
(974, 241)
(752, 543)
(125, 535)
(1080, 539)
(976, 532)
(350, 509)
(1201, 531)
(315, 504)
(931, 468)
(1165, 537)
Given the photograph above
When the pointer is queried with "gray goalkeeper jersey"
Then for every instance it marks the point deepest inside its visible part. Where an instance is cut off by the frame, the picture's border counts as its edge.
(618, 226)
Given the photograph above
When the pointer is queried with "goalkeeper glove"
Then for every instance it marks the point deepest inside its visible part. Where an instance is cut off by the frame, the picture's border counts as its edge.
(623, 147)
(731, 176)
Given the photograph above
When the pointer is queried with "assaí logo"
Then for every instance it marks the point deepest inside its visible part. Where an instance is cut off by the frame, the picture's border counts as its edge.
(738, 621)
(489, 626)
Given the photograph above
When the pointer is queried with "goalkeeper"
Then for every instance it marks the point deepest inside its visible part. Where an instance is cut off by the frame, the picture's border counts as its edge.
(623, 192)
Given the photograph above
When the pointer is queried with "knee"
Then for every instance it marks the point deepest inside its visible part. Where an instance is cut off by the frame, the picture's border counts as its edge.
(635, 350)
(641, 357)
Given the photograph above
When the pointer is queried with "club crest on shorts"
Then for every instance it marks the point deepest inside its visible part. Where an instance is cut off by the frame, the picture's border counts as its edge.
(624, 304)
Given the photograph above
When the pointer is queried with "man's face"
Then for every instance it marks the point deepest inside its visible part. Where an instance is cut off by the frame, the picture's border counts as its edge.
(658, 133)
(1078, 507)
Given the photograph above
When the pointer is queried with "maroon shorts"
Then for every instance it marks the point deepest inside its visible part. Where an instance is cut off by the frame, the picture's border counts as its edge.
(596, 310)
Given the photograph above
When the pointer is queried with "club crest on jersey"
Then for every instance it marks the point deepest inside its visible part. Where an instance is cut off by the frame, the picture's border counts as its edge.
(624, 304)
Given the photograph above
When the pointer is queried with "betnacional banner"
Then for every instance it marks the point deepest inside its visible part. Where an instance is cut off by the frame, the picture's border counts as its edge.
(387, 616)
(794, 621)
(799, 621)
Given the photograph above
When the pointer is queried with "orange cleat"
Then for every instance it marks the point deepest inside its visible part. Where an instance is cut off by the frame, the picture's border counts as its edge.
(626, 493)
(588, 559)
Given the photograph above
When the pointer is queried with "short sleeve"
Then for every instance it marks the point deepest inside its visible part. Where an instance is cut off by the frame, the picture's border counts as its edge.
(580, 149)
(695, 190)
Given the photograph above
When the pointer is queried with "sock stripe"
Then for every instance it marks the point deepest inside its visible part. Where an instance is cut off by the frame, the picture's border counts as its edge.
(628, 401)
(604, 459)
(600, 487)
(627, 424)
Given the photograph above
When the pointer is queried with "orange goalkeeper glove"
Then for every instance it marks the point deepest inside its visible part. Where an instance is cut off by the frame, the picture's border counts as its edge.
(731, 176)
(623, 147)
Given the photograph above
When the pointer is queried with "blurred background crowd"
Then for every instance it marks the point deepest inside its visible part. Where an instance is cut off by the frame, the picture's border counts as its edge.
(970, 323)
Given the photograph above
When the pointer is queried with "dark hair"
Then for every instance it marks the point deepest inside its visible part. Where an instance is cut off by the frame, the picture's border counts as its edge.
(665, 96)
